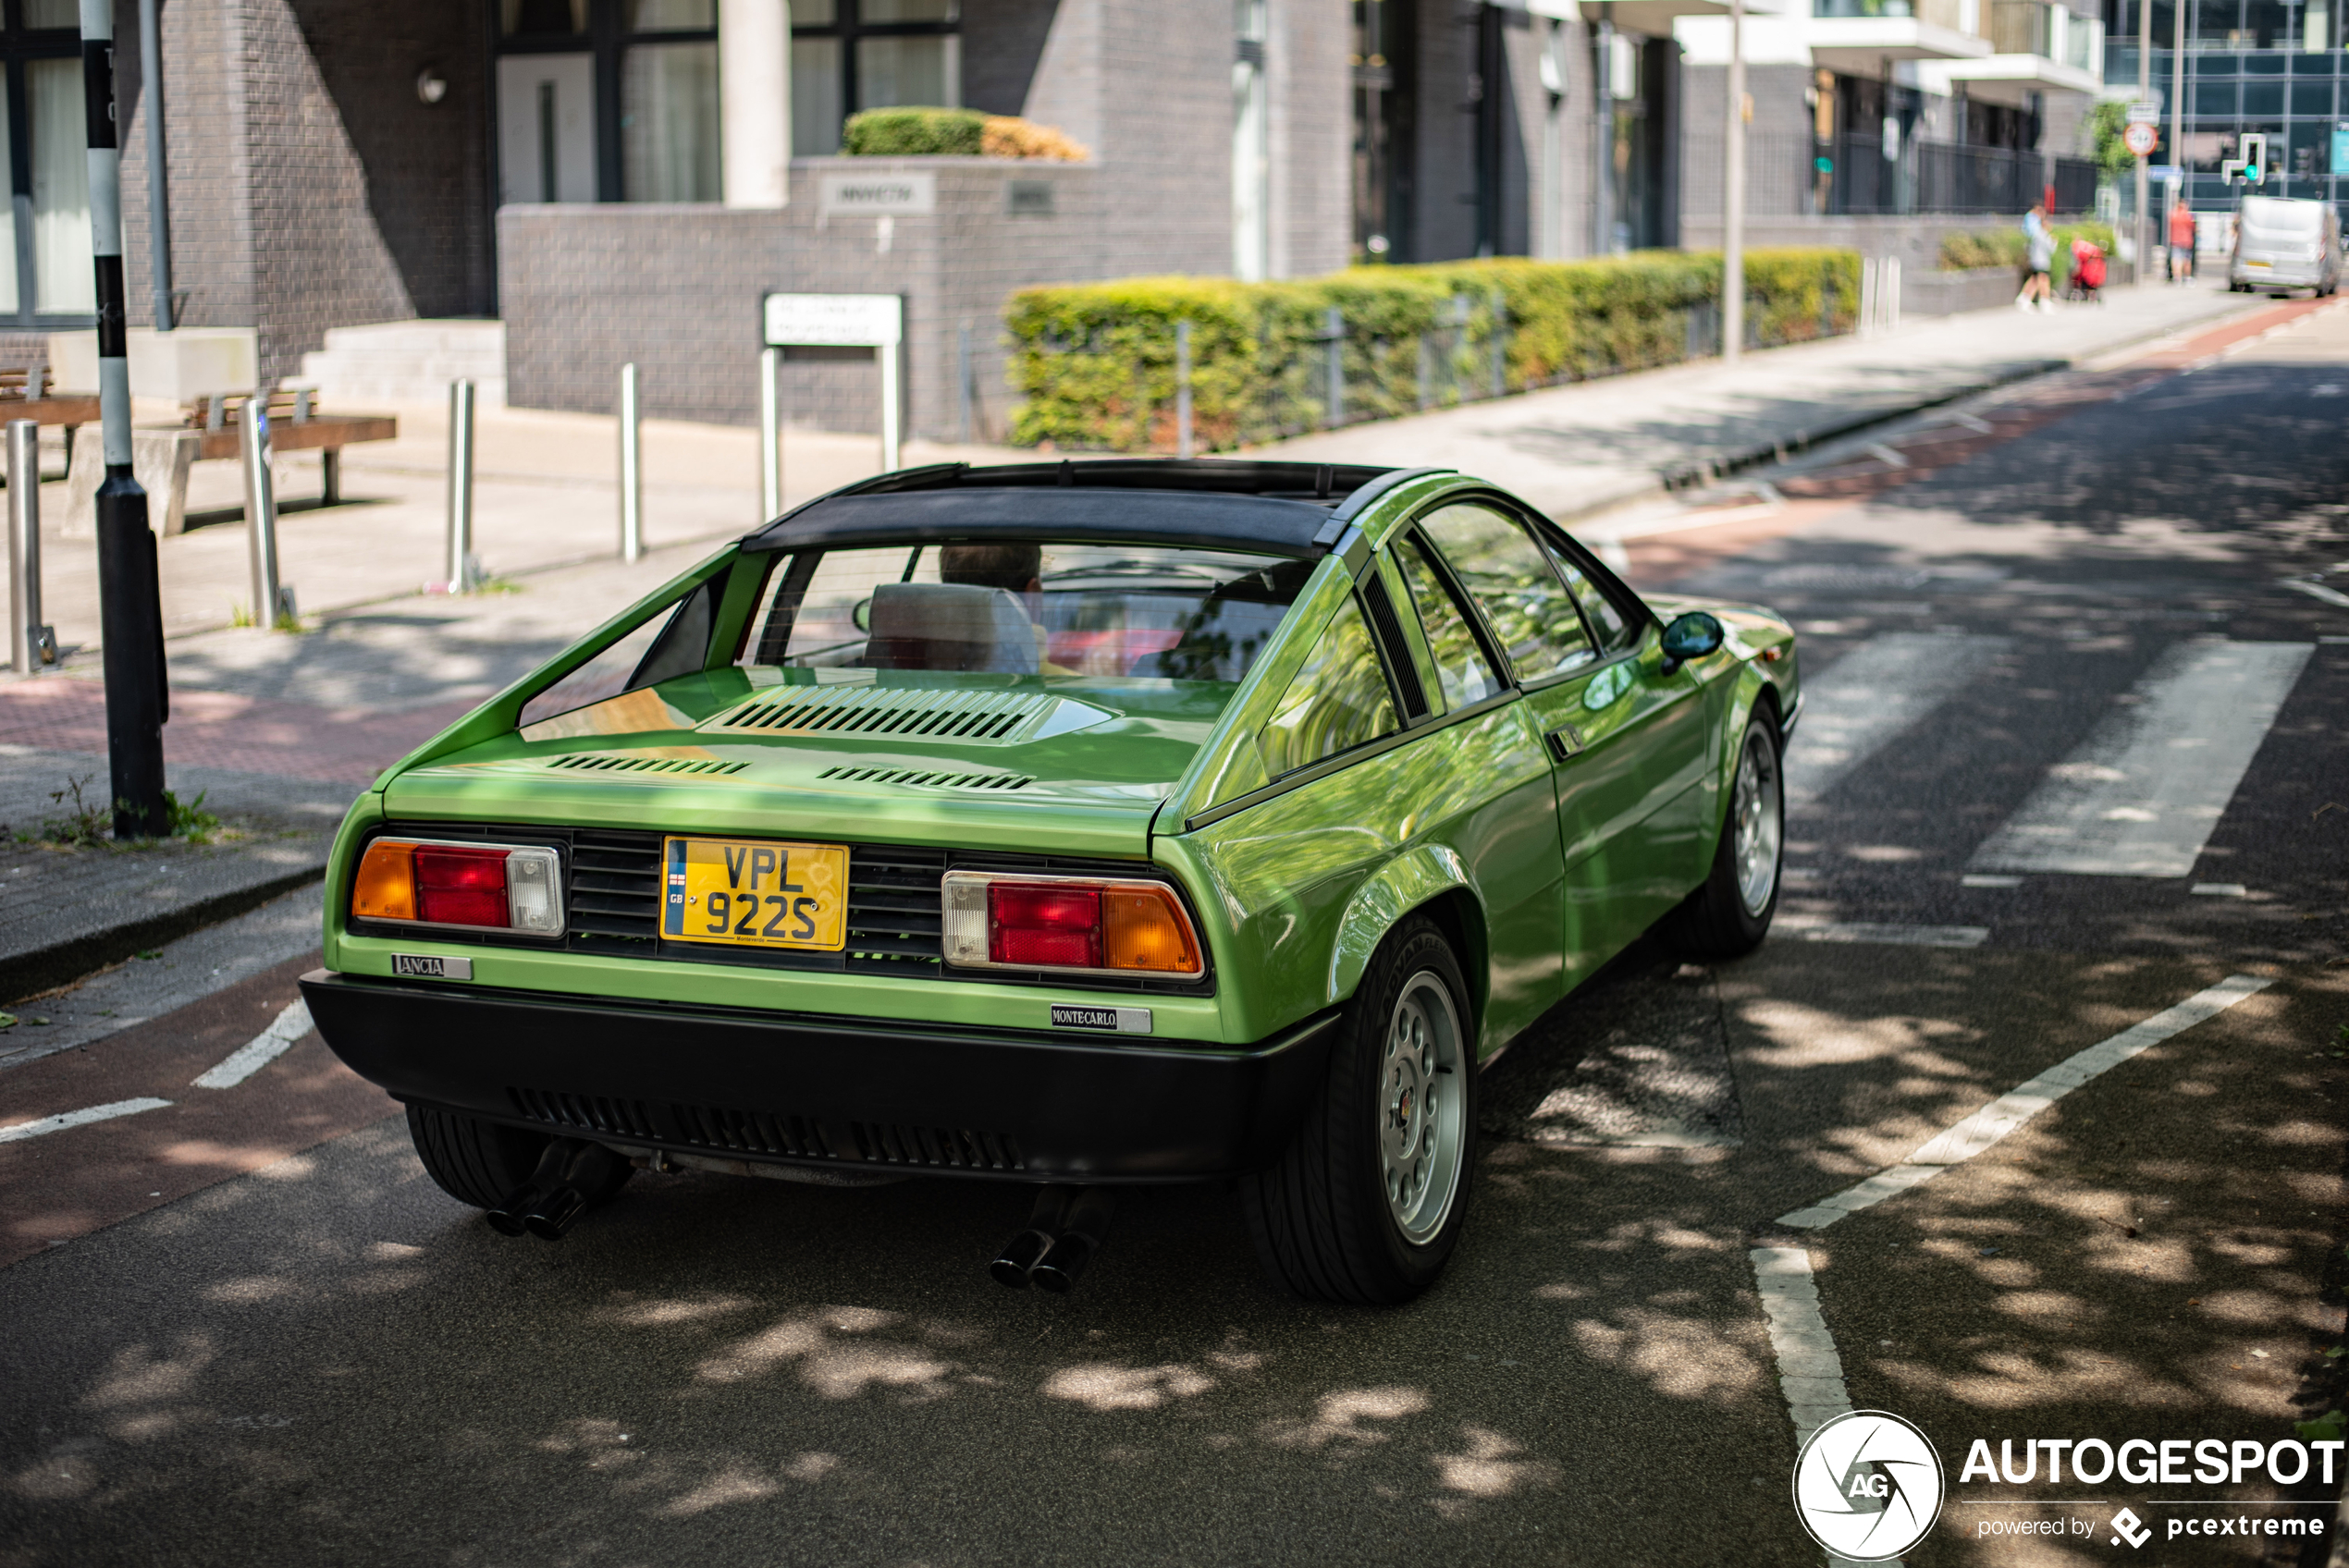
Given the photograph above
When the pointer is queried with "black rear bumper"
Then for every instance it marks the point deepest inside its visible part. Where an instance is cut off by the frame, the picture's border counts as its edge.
(801, 1089)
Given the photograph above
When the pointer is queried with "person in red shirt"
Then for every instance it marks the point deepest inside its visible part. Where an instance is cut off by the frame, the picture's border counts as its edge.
(2181, 242)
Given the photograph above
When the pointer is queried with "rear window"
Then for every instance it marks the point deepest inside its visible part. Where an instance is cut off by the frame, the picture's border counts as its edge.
(2272, 216)
(1027, 608)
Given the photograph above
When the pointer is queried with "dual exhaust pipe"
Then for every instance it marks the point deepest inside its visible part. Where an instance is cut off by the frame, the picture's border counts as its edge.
(557, 1194)
(1066, 1228)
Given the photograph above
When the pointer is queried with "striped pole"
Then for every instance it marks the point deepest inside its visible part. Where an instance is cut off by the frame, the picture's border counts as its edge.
(130, 606)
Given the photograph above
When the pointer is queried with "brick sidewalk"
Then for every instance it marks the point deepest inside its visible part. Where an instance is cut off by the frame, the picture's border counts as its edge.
(229, 731)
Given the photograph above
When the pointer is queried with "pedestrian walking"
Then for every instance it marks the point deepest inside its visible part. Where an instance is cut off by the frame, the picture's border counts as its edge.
(2038, 258)
(2181, 241)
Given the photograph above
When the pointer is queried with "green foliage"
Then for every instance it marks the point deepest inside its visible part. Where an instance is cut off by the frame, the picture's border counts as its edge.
(2004, 247)
(190, 820)
(86, 823)
(2327, 1428)
(2107, 122)
(1094, 363)
(913, 133)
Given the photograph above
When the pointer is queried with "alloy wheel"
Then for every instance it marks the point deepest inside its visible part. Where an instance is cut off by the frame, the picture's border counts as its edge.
(1421, 1107)
(1757, 809)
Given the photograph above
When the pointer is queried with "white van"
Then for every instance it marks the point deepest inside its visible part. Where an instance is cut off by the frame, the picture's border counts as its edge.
(2285, 243)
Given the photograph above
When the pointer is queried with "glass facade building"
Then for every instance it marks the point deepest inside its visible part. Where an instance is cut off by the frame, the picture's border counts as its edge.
(2250, 66)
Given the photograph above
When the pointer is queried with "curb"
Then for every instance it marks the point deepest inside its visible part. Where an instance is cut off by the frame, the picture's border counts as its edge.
(1687, 476)
(77, 958)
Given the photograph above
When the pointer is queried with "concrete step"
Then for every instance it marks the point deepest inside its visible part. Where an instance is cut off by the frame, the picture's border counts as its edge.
(408, 362)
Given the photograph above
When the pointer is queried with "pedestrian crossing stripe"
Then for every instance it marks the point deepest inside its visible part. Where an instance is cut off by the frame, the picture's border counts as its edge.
(1870, 696)
(2141, 796)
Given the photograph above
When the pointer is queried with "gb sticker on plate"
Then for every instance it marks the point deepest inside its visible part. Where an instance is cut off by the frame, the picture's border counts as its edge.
(1114, 1019)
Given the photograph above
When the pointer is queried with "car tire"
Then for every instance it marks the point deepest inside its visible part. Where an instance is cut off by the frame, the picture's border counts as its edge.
(1731, 912)
(1368, 1203)
(479, 1162)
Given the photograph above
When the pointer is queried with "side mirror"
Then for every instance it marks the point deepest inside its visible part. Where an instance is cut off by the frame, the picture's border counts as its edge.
(863, 614)
(1691, 636)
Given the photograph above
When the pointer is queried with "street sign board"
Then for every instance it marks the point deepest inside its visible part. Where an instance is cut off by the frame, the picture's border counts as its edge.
(827, 321)
(2164, 174)
(2341, 149)
(2139, 138)
(2145, 111)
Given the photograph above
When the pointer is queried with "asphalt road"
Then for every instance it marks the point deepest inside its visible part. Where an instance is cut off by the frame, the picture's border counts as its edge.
(245, 1329)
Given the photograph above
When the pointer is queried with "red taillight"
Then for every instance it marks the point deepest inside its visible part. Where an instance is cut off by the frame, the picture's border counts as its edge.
(1028, 924)
(1010, 919)
(460, 887)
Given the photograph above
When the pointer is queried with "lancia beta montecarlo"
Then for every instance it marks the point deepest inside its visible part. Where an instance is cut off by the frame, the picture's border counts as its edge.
(1077, 825)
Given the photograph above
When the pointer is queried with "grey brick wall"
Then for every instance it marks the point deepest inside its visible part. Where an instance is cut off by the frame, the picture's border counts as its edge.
(1310, 58)
(676, 290)
(310, 185)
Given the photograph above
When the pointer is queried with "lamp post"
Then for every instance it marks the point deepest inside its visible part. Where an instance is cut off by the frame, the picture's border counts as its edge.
(2145, 94)
(1733, 198)
(130, 602)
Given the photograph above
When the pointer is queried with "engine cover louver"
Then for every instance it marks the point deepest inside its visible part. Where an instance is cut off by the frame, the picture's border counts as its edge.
(967, 718)
(927, 779)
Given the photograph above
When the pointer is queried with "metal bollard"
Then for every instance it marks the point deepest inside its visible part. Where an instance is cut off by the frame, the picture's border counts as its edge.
(631, 469)
(964, 391)
(888, 355)
(1181, 388)
(1334, 339)
(771, 436)
(462, 571)
(270, 600)
(32, 644)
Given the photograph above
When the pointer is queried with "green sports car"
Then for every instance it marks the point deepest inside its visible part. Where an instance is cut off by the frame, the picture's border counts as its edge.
(1075, 825)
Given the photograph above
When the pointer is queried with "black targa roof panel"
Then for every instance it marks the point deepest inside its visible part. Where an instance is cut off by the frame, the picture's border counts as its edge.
(1277, 508)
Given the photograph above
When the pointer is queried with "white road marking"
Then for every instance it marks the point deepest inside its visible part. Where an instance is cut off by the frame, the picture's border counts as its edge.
(1887, 456)
(2221, 890)
(1871, 932)
(1980, 879)
(1958, 1144)
(2317, 591)
(2141, 795)
(1810, 1369)
(1810, 1372)
(78, 1119)
(261, 1050)
(1865, 699)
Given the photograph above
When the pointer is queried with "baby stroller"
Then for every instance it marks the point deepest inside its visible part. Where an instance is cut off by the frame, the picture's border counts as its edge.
(2087, 273)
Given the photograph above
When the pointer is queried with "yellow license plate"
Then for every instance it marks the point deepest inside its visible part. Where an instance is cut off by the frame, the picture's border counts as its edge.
(755, 893)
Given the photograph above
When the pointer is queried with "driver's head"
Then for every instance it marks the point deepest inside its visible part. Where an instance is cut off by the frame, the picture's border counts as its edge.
(1015, 568)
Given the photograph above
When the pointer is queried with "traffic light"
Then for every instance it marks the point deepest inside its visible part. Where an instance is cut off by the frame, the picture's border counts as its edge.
(2251, 158)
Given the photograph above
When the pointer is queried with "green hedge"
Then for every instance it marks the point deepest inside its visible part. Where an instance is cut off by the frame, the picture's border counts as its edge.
(2004, 247)
(914, 133)
(1094, 363)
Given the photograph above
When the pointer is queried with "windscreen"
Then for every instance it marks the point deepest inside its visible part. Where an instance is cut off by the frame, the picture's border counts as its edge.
(1027, 608)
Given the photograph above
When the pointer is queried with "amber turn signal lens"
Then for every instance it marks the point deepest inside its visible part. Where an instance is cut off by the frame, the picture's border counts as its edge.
(386, 886)
(1141, 929)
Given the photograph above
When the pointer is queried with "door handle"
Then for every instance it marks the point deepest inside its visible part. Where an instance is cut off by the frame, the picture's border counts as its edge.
(1565, 741)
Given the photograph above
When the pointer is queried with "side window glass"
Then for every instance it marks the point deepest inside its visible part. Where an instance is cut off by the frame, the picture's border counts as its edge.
(1337, 702)
(1461, 669)
(1614, 629)
(1511, 581)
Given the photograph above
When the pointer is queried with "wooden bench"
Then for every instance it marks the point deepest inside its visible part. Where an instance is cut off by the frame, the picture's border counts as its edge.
(295, 425)
(26, 393)
(212, 428)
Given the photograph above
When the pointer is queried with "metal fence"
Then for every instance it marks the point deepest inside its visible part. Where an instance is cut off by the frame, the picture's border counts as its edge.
(1941, 177)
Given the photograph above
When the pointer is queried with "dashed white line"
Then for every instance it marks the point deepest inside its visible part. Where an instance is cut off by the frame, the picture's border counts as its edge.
(2317, 591)
(261, 1050)
(1993, 1122)
(1873, 933)
(60, 1122)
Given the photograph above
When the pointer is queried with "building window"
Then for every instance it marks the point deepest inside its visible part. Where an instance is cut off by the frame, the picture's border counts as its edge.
(853, 55)
(45, 273)
(607, 100)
